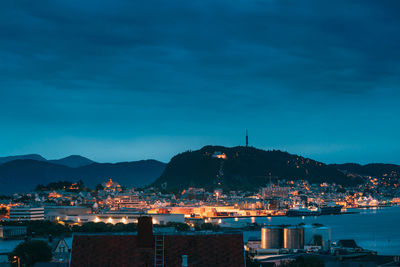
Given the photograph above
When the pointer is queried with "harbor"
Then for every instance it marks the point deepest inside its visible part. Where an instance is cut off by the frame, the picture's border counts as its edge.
(374, 229)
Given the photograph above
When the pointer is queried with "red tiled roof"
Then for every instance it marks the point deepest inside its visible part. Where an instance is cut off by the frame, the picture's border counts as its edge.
(122, 250)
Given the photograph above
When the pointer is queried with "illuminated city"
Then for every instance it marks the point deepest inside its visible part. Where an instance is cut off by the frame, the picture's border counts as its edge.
(199, 133)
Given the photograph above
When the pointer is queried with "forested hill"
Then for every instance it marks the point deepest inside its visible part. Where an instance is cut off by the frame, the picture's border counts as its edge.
(373, 169)
(244, 168)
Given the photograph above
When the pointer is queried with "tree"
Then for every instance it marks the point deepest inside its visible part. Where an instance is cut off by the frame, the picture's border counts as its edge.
(80, 184)
(181, 227)
(101, 227)
(3, 211)
(304, 262)
(208, 227)
(318, 240)
(31, 252)
(99, 187)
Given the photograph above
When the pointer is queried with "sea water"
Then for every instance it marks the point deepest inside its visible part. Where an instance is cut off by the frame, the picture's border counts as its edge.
(375, 229)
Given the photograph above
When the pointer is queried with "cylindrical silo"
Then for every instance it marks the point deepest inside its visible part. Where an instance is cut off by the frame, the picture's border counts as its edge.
(309, 232)
(271, 237)
(293, 237)
(325, 234)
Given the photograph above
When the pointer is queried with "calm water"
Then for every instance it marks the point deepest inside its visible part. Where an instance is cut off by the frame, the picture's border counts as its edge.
(375, 229)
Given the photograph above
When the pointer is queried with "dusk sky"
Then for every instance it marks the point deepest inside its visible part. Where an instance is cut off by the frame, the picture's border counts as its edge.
(130, 80)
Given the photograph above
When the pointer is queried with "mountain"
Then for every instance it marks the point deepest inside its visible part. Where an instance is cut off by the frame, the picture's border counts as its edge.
(24, 175)
(73, 161)
(245, 168)
(70, 161)
(28, 156)
(374, 169)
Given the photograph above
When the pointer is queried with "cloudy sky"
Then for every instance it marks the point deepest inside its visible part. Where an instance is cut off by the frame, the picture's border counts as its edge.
(129, 80)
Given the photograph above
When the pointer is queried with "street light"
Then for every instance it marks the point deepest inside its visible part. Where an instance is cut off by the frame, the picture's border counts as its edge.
(17, 259)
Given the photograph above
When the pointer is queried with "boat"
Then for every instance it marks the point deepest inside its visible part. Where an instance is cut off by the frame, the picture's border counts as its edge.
(303, 211)
(331, 208)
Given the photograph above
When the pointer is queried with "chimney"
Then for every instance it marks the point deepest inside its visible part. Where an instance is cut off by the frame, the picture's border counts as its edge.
(145, 232)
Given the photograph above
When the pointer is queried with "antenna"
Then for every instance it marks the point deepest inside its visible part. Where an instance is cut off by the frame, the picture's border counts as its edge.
(247, 138)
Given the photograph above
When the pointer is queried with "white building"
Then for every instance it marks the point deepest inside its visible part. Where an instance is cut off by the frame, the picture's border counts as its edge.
(126, 217)
(26, 213)
(129, 201)
(52, 213)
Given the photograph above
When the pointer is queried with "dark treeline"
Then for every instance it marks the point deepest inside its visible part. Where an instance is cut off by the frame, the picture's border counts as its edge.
(63, 185)
(46, 228)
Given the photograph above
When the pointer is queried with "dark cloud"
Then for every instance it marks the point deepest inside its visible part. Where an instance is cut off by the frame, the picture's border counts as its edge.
(97, 63)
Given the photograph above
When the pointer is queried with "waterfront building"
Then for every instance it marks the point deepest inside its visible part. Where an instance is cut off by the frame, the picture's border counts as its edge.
(53, 213)
(125, 217)
(26, 213)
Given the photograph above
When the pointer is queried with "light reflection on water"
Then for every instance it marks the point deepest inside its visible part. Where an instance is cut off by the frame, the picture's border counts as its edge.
(376, 229)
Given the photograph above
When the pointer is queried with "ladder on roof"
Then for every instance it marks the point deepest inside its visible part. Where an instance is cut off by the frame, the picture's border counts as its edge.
(159, 250)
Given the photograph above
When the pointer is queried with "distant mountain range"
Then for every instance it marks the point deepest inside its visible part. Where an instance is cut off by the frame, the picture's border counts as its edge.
(24, 173)
(72, 161)
(27, 156)
(236, 168)
(244, 168)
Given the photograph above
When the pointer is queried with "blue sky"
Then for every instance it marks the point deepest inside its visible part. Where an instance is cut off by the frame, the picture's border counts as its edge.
(148, 79)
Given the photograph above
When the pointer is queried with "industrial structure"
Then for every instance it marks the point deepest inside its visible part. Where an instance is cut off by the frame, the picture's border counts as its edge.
(288, 237)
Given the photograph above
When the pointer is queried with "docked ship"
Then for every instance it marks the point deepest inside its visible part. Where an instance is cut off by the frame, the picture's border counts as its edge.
(331, 209)
(303, 211)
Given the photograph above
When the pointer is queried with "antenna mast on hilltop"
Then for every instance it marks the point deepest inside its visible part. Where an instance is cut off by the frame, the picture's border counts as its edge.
(247, 138)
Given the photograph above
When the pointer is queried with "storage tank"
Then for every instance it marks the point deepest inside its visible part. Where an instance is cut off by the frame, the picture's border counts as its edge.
(271, 237)
(293, 237)
(325, 234)
(309, 232)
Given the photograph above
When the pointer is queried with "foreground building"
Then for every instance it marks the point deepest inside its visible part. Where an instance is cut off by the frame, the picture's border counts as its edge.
(164, 249)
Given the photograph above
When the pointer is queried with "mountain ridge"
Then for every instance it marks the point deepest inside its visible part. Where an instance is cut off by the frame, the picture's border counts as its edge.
(370, 169)
(23, 175)
(25, 156)
(73, 161)
(245, 168)
(70, 161)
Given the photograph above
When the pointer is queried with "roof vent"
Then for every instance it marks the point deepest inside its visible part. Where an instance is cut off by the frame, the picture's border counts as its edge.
(184, 260)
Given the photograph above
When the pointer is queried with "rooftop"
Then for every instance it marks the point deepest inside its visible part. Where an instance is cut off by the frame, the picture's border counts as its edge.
(123, 249)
